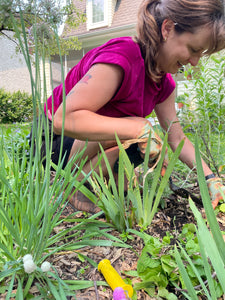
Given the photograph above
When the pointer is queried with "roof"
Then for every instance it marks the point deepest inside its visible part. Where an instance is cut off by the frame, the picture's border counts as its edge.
(125, 14)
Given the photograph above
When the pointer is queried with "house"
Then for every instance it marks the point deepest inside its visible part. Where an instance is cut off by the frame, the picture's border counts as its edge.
(14, 74)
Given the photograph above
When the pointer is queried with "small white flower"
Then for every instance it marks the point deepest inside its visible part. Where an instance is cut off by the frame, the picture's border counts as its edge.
(27, 257)
(45, 266)
(29, 266)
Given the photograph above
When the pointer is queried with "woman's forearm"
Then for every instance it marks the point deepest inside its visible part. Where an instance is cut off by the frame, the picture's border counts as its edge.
(84, 124)
(187, 156)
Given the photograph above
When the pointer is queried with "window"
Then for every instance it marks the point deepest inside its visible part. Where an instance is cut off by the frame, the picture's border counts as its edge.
(97, 13)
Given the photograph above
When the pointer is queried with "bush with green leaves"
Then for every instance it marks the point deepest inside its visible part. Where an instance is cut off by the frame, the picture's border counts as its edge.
(15, 107)
(166, 273)
(204, 109)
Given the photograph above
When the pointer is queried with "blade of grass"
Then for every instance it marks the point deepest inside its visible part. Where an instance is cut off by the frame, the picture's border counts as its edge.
(211, 247)
(10, 288)
(164, 181)
(19, 291)
(185, 275)
(214, 226)
(83, 284)
(184, 253)
(126, 168)
(207, 268)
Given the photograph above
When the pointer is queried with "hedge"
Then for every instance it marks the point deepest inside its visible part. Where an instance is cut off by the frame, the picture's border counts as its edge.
(15, 107)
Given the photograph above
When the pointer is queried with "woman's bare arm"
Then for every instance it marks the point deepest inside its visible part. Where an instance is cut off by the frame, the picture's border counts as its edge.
(166, 114)
(91, 93)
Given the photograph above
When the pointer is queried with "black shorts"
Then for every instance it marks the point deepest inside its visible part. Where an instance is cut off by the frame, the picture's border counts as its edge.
(56, 143)
(134, 155)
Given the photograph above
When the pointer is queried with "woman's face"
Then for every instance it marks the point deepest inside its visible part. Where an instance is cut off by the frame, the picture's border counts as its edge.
(180, 49)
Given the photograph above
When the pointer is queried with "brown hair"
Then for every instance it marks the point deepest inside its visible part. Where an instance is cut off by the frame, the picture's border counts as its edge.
(187, 15)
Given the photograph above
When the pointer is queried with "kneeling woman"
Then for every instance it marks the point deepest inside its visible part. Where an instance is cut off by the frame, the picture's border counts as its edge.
(115, 86)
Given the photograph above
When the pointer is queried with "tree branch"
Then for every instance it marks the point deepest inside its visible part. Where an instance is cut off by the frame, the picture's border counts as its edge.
(9, 37)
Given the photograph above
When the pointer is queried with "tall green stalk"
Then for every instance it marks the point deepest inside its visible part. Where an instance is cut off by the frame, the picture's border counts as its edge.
(31, 205)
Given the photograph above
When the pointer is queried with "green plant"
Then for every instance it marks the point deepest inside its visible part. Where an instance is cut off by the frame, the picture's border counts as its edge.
(16, 138)
(30, 209)
(156, 267)
(15, 107)
(159, 265)
(205, 108)
(140, 204)
(211, 246)
(41, 19)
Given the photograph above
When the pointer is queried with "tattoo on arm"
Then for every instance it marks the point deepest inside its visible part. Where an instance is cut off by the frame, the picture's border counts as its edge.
(85, 78)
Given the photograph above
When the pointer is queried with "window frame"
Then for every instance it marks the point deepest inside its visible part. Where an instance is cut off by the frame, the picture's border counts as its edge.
(90, 24)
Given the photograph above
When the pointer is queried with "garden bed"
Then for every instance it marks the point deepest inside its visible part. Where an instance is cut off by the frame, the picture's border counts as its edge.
(170, 219)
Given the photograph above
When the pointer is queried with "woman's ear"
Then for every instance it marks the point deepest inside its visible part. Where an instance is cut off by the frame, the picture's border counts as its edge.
(167, 28)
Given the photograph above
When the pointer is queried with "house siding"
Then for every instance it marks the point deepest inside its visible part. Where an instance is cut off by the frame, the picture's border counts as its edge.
(124, 18)
(14, 74)
(123, 12)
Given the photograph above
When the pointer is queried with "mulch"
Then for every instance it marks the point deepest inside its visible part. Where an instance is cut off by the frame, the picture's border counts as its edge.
(172, 217)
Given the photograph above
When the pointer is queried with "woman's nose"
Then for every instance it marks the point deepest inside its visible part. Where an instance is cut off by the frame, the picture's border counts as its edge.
(194, 60)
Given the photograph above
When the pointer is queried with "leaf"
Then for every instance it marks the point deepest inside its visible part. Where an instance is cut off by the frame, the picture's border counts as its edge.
(80, 257)
(222, 207)
(83, 284)
(165, 294)
(168, 264)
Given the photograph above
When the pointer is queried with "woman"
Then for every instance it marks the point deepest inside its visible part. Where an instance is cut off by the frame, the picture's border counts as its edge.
(115, 86)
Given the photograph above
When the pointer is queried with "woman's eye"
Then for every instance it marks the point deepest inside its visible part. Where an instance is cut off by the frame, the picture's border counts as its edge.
(194, 51)
(198, 52)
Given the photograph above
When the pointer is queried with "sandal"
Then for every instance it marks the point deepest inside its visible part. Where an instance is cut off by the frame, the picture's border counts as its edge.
(80, 202)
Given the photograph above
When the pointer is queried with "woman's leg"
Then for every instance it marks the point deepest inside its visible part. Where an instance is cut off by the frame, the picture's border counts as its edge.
(78, 200)
(92, 150)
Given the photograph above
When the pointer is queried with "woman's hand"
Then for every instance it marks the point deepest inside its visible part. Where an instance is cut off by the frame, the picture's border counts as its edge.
(216, 190)
(155, 146)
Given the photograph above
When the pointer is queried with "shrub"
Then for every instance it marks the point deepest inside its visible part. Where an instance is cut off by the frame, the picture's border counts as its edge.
(15, 107)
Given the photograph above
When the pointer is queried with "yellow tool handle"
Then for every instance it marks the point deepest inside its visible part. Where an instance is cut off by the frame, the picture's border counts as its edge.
(113, 278)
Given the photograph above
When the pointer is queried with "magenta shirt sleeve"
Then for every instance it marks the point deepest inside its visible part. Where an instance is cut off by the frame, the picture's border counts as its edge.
(125, 53)
(137, 95)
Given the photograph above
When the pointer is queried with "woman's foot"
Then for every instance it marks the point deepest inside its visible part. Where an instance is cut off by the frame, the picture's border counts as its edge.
(80, 202)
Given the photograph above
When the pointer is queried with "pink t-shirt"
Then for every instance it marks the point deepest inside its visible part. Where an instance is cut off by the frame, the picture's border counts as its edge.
(137, 95)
